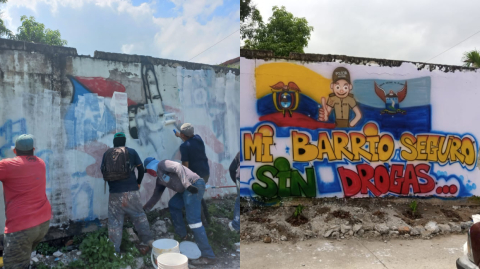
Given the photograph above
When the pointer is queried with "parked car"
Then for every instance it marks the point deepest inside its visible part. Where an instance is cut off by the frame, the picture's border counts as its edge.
(472, 259)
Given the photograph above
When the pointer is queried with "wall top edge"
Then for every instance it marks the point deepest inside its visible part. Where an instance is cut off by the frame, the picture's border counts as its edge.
(311, 57)
(7, 44)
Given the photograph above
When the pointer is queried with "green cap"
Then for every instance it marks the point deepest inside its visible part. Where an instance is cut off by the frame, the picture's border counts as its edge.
(24, 142)
(120, 134)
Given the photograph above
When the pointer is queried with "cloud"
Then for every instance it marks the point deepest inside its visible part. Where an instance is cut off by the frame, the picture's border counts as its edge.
(402, 30)
(127, 48)
(123, 27)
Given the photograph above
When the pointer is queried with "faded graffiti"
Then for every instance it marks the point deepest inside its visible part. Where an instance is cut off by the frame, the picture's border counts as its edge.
(345, 137)
(8, 131)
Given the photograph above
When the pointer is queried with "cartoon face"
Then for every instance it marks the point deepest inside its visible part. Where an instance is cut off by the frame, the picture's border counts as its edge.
(341, 88)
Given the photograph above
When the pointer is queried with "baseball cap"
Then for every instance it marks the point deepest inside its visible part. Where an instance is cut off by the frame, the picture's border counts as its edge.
(186, 129)
(341, 73)
(120, 134)
(24, 142)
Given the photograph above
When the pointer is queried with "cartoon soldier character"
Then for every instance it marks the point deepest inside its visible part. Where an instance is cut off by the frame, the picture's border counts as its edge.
(341, 100)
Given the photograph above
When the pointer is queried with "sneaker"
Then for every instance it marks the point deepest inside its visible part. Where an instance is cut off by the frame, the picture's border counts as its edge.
(203, 261)
(231, 227)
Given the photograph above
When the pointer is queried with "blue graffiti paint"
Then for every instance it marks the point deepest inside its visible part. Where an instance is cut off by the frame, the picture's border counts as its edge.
(334, 184)
(79, 174)
(9, 130)
(87, 189)
(287, 150)
(463, 191)
(300, 166)
(93, 121)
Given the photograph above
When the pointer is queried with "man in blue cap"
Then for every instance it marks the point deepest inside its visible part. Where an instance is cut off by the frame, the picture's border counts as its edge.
(124, 198)
(27, 208)
(190, 189)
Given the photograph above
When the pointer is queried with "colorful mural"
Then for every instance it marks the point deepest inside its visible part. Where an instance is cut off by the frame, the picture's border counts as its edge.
(326, 130)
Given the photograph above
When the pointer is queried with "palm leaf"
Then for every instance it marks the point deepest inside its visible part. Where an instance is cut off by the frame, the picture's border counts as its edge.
(471, 59)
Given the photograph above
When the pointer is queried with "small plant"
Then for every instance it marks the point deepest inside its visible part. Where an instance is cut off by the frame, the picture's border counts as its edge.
(98, 252)
(413, 206)
(45, 249)
(298, 211)
(38, 265)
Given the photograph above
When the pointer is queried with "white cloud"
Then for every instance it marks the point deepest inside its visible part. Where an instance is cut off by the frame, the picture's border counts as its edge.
(127, 48)
(402, 30)
(119, 26)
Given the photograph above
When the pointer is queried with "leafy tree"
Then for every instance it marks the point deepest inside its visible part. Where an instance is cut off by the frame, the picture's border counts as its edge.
(4, 32)
(250, 19)
(471, 59)
(283, 34)
(33, 31)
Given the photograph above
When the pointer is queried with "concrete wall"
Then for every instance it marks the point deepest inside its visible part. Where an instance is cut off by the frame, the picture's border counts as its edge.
(416, 134)
(74, 104)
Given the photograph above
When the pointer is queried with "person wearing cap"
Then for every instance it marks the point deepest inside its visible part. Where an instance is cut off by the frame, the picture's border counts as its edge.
(193, 151)
(27, 208)
(341, 100)
(190, 188)
(124, 198)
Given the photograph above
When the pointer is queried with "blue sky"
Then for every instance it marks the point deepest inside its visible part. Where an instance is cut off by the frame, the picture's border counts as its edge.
(171, 29)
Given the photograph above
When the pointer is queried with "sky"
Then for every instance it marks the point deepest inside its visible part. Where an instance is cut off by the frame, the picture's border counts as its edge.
(169, 29)
(399, 30)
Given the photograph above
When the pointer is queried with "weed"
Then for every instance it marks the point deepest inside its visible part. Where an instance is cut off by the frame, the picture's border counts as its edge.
(298, 211)
(413, 206)
(224, 210)
(77, 264)
(220, 236)
(98, 252)
(37, 265)
(45, 249)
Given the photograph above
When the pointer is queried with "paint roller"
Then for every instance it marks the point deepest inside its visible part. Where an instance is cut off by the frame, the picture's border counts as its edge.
(169, 118)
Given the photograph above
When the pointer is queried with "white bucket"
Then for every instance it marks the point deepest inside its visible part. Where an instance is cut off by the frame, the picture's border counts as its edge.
(172, 261)
(162, 246)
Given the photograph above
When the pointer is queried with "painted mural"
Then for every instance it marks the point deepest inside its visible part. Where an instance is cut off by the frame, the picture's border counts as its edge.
(73, 127)
(319, 130)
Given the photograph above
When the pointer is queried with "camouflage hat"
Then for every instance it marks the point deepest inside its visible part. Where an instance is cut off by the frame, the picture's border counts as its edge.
(341, 73)
(24, 142)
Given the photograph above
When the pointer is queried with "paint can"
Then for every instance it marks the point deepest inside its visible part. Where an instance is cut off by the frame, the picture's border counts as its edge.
(163, 246)
(172, 261)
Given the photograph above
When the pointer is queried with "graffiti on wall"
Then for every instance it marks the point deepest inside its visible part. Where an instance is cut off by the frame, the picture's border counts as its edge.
(74, 128)
(319, 137)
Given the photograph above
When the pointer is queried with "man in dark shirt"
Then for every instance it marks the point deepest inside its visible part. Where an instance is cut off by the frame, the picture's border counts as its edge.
(193, 152)
(124, 199)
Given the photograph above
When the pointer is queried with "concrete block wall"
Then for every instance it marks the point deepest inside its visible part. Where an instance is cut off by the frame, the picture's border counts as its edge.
(73, 105)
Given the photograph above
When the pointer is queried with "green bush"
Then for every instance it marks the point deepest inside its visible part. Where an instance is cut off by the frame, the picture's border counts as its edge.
(98, 252)
(45, 249)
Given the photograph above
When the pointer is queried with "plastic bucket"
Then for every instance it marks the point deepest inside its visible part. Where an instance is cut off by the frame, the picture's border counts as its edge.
(172, 261)
(162, 246)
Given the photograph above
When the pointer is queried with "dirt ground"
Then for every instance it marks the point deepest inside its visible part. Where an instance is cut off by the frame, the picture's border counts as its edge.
(220, 238)
(364, 218)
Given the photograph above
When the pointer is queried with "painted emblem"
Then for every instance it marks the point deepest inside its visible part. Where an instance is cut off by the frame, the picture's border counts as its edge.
(285, 97)
(392, 100)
